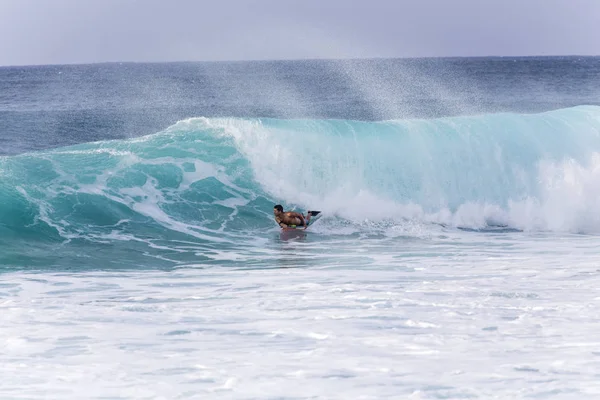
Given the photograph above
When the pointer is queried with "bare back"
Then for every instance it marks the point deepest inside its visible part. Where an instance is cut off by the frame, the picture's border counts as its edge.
(290, 218)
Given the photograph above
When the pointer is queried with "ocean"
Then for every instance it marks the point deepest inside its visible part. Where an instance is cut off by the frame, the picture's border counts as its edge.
(457, 255)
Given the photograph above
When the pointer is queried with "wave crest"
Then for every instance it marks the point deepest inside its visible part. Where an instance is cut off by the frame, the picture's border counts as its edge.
(213, 179)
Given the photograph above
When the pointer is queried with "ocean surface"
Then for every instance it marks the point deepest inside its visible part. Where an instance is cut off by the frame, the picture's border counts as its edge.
(457, 256)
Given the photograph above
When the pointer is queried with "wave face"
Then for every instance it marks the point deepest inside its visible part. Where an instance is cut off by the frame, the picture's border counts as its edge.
(215, 180)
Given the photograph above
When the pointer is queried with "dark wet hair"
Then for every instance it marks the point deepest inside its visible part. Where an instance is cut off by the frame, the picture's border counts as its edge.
(279, 207)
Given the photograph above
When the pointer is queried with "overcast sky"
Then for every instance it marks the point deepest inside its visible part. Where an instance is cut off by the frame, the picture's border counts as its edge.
(86, 31)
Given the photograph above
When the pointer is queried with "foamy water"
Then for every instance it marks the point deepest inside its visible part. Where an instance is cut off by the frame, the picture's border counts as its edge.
(462, 315)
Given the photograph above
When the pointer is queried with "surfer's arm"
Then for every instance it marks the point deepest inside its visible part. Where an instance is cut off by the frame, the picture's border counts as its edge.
(281, 224)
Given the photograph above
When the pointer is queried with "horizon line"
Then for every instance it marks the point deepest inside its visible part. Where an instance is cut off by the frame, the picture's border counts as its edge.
(294, 59)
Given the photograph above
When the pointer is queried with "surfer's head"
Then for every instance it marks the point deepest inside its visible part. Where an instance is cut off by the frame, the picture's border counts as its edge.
(277, 209)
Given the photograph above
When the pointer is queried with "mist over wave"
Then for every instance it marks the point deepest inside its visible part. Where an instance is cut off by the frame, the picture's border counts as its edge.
(215, 180)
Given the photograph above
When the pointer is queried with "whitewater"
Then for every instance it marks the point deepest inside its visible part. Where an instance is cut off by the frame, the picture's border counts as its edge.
(456, 256)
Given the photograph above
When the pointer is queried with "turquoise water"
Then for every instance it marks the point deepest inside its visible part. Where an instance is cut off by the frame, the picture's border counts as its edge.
(213, 182)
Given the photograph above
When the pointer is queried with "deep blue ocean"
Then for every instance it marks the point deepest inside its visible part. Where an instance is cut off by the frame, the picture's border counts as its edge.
(456, 256)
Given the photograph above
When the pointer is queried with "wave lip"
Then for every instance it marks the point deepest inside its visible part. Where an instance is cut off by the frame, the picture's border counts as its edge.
(475, 171)
(215, 180)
